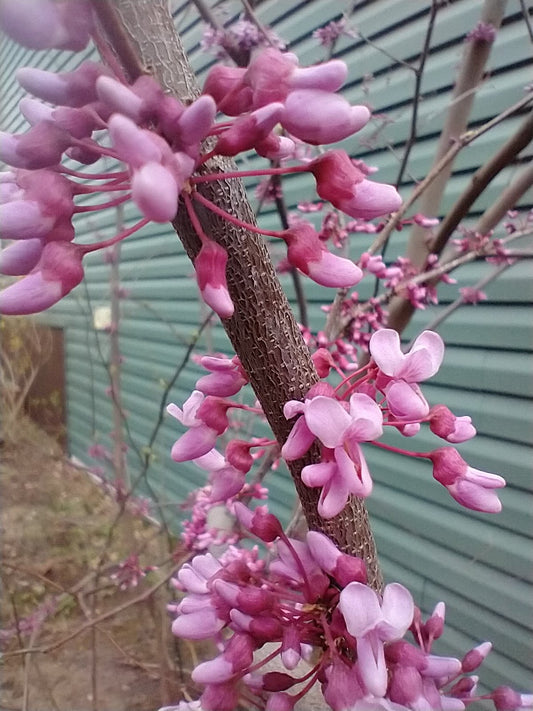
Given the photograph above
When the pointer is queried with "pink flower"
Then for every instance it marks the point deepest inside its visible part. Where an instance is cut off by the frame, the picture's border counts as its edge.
(200, 438)
(470, 487)
(46, 24)
(404, 371)
(210, 265)
(451, 428)
(345, 186)
(58, 271)
(226, 379)
(344, 471)
(306, 251)
(338, 119)
(373, 623)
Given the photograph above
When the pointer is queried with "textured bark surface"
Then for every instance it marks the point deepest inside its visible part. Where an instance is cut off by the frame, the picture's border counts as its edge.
(262, 330)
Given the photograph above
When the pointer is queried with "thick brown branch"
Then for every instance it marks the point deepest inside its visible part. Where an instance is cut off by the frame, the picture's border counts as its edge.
(263, 330)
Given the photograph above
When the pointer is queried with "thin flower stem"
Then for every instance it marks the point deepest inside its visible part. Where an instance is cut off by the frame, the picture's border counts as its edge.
(398, 450)
(123, 174)
(103, 205)
(194, 218)
(231, 218)
(247, 174)
(117, 238)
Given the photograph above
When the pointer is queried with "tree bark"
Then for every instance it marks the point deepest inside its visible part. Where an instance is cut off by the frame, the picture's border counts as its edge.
(263, 330)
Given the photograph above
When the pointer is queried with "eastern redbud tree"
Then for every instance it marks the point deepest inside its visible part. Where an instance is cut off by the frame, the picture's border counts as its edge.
(319, 596)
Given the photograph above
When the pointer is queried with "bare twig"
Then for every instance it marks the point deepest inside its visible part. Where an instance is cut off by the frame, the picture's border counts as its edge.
(464, 140)
(419, 73)
(100, 618)
(481, 178)
(449, 310)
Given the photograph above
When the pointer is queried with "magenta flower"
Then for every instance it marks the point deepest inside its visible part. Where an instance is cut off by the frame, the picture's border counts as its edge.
(373, 622)
(470, 487)
(346, 187)
(306, 251)
(210, 265)
(343, 470)
(199, 438)
(58, 271)
(46, 24)
(403, 371)
(338, 119)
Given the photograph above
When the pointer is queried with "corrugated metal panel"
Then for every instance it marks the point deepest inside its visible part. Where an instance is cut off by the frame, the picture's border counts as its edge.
(479, 564)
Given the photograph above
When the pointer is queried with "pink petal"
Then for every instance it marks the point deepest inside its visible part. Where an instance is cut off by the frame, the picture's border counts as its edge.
(20, 257)
(317, 117)
(334, 271)
(119, 97)
(29, 295)
(484, 479)
(360, 608)
(398, 610)
(194, 443)
(368, 418)
(197, 625)
(354, 470)
(406, 400)
(327, 419)
(385, 349)
(214, 671)
(155, 192)
(371, 663)
(328, 76)
(371, 200)
(298, 441)
(474, 497)
(333, 497)
(318, 474)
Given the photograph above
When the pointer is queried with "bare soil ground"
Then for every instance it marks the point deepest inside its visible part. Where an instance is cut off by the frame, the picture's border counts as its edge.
(55, 523)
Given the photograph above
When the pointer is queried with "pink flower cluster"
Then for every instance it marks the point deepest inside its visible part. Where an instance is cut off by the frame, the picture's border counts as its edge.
(343, 420)
(312, 596)
(160, 141)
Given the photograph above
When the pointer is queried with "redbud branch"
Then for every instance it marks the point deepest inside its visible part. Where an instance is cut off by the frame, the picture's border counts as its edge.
(481, 178)
(464, 140)
(101, 618)
(263, 330)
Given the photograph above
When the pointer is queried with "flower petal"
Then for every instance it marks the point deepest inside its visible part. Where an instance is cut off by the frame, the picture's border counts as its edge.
(327, 419)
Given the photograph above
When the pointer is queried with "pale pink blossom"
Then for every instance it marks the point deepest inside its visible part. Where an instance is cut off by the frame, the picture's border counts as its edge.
(346, 187)
(210, 266)
(470, 487)
(401, 372)
(373, 623)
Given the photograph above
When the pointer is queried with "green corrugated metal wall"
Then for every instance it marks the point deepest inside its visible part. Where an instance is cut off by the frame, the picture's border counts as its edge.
(480, 565)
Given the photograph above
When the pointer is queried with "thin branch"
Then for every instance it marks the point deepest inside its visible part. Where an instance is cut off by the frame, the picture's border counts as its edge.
(101, 618)
(464, 140)
(525, 13)
(460, 301)
(479, 181)
(419, 73)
